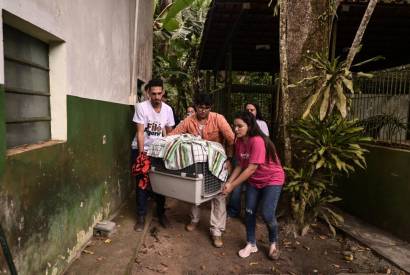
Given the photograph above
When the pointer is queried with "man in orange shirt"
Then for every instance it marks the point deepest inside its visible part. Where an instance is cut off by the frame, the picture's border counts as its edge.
(213, 127)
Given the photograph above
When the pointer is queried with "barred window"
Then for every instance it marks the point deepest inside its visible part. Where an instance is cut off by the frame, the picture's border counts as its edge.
(27, 88)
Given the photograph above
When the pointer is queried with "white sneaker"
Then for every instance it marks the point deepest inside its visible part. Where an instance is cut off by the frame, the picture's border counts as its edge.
(247, 250)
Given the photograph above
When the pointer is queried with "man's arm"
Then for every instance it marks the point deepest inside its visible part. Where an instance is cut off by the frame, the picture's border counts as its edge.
(182, 128)
(140, 137)
(228, 135)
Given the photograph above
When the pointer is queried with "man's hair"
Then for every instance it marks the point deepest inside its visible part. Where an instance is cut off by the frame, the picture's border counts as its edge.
(155, 82)
(203, 99)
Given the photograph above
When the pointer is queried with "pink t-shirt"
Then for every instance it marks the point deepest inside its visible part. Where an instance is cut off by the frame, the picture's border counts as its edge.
(254, 152)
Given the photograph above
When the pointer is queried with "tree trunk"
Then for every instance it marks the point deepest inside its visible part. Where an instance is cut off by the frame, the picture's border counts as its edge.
(284, 96)
(304, 28)
(360, 32)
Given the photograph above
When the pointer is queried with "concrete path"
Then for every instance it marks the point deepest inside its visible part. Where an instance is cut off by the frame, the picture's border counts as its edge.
(383, 243)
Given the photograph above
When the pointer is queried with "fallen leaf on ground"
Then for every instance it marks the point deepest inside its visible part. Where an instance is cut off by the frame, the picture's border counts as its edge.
(100, 259)
(349, 258)
(322, 237)
(253, 263)
(107, 241)
(298, 243)
(336, 265)
(88, 252)
(306, 247)
(164, 264)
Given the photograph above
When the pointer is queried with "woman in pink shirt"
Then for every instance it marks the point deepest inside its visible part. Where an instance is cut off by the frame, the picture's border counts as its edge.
(259, 165)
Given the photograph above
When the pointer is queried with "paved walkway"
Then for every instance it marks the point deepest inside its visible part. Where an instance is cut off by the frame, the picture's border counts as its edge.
(384, 244)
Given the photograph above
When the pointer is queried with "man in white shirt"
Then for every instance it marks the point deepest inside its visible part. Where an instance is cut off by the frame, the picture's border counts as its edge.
(153, 119)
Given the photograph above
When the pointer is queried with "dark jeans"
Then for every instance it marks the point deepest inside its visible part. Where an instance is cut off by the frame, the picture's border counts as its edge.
(143, 194)
(234, 204)
(268, 197)
(142, 200)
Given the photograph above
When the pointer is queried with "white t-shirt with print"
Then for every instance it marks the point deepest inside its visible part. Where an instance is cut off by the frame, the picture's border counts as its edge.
(154, 123)
(263, 126)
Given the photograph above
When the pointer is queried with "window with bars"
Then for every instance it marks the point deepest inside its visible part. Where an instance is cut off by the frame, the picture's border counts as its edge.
(27, 88)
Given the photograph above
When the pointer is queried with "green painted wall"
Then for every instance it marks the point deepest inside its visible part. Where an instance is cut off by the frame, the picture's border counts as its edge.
(2, 130)
(51, 197)
(381, 193)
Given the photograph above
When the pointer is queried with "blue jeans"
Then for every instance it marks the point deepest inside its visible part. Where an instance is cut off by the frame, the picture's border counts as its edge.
(143, 194)
(234, 205)
(268, 197)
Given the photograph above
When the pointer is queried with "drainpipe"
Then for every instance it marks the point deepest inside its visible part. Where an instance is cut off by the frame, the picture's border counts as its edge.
(7, 253)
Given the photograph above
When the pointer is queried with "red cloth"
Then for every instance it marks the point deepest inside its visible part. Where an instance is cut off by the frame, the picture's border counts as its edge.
(140, 170)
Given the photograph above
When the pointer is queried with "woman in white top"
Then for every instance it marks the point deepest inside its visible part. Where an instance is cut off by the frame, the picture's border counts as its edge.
(254, 109)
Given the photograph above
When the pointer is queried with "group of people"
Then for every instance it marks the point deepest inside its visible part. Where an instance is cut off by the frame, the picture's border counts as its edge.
(251, 160)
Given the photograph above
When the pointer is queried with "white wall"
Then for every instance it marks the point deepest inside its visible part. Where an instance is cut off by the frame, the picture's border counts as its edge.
(98, 37)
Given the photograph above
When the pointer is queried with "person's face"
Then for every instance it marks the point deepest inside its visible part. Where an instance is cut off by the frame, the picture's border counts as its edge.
(190, 111)
(251, 109)
(240, 128)
(202, 111)
(155, 95)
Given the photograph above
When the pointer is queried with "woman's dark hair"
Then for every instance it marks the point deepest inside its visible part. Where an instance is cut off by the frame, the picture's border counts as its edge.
(258, 110)
(254, 130)
(203, 99)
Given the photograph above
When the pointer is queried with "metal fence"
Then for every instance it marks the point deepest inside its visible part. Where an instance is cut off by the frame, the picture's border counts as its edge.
(240, 95)
(382, 104)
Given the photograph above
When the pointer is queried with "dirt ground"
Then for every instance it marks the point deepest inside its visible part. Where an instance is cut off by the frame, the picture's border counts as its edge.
(176, 251)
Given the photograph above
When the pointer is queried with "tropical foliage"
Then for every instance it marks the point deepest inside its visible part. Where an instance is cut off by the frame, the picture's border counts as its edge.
(310, 199)
(390, 123)
(331, 145)
(334, 81)
(328, 149)
(177, 32)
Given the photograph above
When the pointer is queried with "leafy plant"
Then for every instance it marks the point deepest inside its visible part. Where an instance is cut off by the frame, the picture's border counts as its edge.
(310, 198)
(392, 123)
(176, 49)
(332, 145)
(334, 81)
(328, 148)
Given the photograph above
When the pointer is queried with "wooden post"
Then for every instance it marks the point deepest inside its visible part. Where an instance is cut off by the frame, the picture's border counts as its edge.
(228, 84)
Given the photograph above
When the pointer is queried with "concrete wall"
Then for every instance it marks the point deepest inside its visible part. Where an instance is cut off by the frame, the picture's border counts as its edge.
(51, 195)
(98, 35)
(380, 194)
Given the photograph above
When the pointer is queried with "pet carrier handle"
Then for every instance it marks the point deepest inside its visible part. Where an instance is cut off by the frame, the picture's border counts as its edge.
(211, 195)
